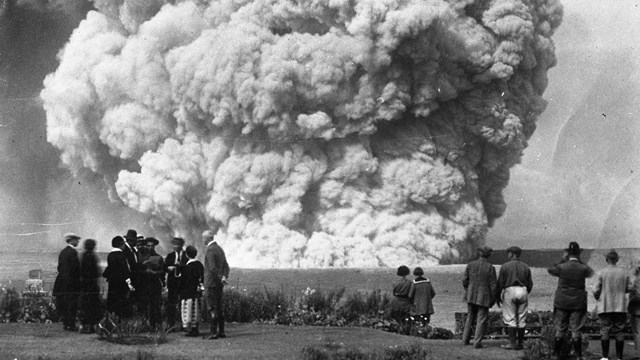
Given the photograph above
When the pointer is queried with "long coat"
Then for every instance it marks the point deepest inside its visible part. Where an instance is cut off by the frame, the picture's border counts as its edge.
(117, 273)
(480, 283)
(420, 295)
(571, 293)
(173, 276)
(215, 266)
(401, 305)
(612, 285)
(68, 279)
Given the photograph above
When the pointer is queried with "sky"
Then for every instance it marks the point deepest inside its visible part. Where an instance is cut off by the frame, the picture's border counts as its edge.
(576, 181)
(578, 177)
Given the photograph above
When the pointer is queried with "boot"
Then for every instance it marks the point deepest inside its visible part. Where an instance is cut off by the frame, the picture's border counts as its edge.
(557, 348)
(619, 348)
(512, 345)
(221, 333)
(214, 326)
(577, 347)
(193, 332)
(605, 348)
(520, 339)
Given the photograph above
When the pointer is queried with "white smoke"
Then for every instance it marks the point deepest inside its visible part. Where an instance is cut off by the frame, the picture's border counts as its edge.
(320, 134)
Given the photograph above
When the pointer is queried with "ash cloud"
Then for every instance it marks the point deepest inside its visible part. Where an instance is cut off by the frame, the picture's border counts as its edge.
(319, 134)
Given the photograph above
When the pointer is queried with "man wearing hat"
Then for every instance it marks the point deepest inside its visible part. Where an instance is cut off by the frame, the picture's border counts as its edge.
(570, 301)
(612, 285)
(514, 285)
(216, 271)
(480, 287)
(151, 282)
(132, 256)
(173, 264)
(66, 288)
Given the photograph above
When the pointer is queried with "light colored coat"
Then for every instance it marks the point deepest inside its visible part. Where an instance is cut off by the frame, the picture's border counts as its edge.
(480, 283)
(611, 287)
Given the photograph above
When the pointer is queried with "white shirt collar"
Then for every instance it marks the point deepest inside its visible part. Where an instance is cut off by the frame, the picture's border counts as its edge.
(116, 249)
(191, 260)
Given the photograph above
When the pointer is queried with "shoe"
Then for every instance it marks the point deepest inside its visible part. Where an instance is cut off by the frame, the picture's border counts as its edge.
(478, 345)
(192, 333)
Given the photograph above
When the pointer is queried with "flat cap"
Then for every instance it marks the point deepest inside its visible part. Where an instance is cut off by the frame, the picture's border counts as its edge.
(484, 250)
(515, 250)
(70, 236)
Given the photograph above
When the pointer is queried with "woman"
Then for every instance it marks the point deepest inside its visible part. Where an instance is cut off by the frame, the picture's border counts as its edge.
(420, 295)
(90, 290)
(401, 304)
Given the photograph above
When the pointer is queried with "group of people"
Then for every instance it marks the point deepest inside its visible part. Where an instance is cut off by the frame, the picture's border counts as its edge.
(413, 297)
(511, 287)
(136, 276)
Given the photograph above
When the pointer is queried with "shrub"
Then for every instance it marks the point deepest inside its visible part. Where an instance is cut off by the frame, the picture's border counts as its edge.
(10, 308)
(331, 350)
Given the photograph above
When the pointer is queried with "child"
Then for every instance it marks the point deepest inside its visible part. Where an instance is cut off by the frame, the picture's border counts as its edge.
(190, 291)
(420, 295)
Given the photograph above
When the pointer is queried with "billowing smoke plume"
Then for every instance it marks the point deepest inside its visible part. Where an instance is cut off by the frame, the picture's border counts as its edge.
(334, 133)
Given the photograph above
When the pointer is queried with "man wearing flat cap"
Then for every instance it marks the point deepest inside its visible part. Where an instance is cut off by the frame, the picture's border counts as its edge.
(514, 285)
(173, 264)
(480, 287)
(570, 301)
(66, 288)
(611, 287)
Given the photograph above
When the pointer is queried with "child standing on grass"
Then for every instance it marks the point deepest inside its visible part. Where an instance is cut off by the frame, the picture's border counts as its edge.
(421, 294)
(190, 292)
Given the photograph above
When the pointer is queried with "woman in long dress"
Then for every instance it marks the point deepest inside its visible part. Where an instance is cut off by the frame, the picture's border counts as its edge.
(90, 289)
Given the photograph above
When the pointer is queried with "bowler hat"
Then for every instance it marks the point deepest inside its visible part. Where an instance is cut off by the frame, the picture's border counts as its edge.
(71, 236)
(131, 235)
(573, 249)
(484, 250)
(151, 239)
(515, 250)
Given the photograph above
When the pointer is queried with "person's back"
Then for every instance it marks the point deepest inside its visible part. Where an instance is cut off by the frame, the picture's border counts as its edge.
(480, 282)
(613, 283)
(570, 293)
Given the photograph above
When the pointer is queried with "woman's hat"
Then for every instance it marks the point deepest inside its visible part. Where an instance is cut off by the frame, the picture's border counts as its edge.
(418, 271)
(403, 271)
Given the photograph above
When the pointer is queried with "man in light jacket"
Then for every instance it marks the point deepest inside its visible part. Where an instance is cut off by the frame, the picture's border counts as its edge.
(612, 284)
(480, 287)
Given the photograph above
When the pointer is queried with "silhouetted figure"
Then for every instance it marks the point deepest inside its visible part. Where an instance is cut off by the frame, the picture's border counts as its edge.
(216, 271)
(480, 284)
(118, 276)
(66, 288)
(90, 296)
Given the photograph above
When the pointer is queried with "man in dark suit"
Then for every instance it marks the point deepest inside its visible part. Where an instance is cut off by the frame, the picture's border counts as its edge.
(479, 283)
(570, 302)
(66, 288)
(118, 277)
(216, 271)
(133, 259)
(173, 264)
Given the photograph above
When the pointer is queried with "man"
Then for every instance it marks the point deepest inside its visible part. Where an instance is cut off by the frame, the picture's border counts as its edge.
(151, 282)
(132, 255)
(480, 288)
(514, 285)
(216, 271)
(173, 264)
(66, 288)
(570, 302)
(612, 285)
(118, 277)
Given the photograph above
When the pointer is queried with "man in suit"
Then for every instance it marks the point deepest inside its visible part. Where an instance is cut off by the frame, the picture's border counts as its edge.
(480, 287)
(612, 285)
(570, 301)
(173, 264)
(216, 271)
(514, 285)
(133, 259)
(67, 285)
(118, 277)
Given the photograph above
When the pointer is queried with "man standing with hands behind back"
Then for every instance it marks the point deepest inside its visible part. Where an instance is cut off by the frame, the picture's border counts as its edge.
(480, 287)
(216, 271)
(66, 288)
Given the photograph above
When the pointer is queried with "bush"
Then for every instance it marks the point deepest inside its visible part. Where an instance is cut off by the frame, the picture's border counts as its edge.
(332, 350)
(10, 307)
